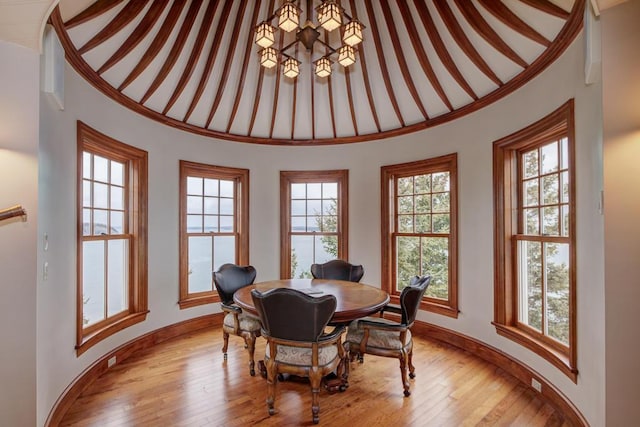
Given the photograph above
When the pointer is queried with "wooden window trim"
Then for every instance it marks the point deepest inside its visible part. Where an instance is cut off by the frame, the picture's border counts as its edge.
(137, 200)
(287, 178)
(241, 207)
(446, 163)
(556, 125)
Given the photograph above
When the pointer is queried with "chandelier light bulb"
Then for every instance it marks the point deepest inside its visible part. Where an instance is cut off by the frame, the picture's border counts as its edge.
(346, 55)
(268, 57)
(329, 15)
(264, 35)
(352, 33)
(291, 68)
(289, 18)
(323, 67)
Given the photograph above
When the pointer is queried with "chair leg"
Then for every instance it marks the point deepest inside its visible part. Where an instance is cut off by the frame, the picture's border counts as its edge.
(412, 369)
(272, 372)
(225, 346)
(251, 347)
(344, 369)
(315, 378)
(403, 373)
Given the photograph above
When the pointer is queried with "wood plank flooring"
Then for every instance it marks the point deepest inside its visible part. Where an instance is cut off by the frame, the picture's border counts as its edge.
(186, 382)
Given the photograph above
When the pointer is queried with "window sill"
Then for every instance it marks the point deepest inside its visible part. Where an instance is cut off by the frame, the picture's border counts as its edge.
(558, 359)
(432, 307)
(94, 338)
(194, 301)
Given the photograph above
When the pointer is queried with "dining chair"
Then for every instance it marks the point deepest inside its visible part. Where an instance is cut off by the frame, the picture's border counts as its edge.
(228, 279)
(294, 325)
(337, 269)
(388, 338)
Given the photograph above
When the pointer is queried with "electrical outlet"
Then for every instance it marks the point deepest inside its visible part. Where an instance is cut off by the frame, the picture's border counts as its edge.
(111, 361)
(536, 385)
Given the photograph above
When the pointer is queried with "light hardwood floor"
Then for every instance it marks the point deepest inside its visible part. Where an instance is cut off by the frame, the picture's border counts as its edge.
(186, 382)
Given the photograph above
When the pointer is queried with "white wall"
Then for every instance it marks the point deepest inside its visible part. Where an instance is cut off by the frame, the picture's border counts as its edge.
(470, 136)
(621, 100)
(19, 104)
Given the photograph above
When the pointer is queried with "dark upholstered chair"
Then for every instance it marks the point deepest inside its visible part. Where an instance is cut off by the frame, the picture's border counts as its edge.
(384, 337)
(293, 324)
(337, 269)
(228, 279)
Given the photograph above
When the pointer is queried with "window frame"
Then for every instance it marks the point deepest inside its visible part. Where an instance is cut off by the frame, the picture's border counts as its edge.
(136, 204)
(389, 175)
(241, 224)
(339, 176)
(507, 188)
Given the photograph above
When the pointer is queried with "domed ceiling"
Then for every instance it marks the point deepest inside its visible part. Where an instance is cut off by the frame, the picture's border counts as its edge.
(194, 65)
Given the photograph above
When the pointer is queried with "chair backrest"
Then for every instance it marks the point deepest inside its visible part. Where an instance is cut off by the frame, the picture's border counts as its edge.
(230, 277)
(411, 296)
(289, 314)
(337, 269)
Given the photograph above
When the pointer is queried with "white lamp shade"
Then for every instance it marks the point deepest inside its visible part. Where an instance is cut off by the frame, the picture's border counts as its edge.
(264, 35)
(329, 15)
(268, 57)
(323, 67)
(291, 68)
(346, 55)
(352, 33)
(289, 18)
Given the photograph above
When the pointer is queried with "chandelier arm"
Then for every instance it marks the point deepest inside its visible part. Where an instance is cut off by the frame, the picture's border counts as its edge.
(293, 43)
(328, 46)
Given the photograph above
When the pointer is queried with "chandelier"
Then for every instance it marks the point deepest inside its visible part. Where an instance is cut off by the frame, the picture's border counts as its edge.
(330, 16)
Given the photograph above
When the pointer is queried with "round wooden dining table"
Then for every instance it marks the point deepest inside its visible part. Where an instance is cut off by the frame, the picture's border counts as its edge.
(354, 300)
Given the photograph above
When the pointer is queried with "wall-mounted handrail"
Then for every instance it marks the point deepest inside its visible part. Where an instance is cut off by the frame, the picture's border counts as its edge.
(12, 212)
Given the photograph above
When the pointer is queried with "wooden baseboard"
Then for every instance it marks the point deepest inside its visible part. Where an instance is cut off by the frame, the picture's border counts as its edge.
(100, 366)
(473, 346)
(505, 362)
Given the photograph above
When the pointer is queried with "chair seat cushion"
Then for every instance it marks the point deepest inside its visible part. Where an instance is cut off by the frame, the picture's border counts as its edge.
(300, 356)
(247, 323)
(389, 340)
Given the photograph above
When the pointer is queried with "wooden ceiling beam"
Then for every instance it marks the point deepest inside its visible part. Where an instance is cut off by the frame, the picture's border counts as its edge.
(94, 10)
(158, 42)
(422, 55)
(276, 90)
(256, 98)
(365, 74)
(382, 62)
(475, 19)
(211, 59)
(233, 44)
(440, 48)
(513, 21)
(134, 39)
(245, 63)
(176, 49)
(402, 61)
(548, 7)
(463, 41)
(126, 15)
(203, 32)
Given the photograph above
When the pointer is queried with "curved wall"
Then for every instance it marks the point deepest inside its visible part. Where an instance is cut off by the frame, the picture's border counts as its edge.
(471, 137)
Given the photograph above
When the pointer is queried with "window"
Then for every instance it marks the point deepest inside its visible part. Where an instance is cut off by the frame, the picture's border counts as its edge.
(214, 227)
(314, 219)
(112, 239)
(419, 229)
(534, 181)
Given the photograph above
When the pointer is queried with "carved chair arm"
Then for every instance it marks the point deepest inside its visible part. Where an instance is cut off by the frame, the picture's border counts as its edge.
(229, 308)
(374, 324)
(331, 336)
(392, 308)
